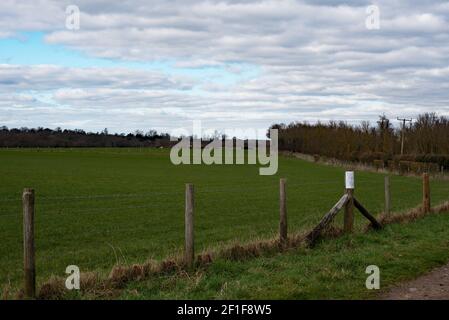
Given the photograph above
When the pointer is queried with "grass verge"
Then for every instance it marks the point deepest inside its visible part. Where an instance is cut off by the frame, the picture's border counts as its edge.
(334, 269)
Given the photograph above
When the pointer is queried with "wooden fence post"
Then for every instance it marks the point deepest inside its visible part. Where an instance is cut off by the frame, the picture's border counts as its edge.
(28, 243)
(189, 241)
(387, 208)
(426, 193)
(282, 212)
(349, 207)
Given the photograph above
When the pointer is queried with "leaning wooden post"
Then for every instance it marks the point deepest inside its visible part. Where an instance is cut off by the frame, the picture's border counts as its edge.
(426, 193)
(282, 212)
(189, 207)
(327, 219)
(349, 207)
(387, 208)
(28, 243)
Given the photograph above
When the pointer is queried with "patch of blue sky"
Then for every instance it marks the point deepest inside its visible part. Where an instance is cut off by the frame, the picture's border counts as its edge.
(30, 48)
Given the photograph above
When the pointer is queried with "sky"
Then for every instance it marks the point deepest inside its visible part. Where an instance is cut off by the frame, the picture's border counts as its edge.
(232, 64)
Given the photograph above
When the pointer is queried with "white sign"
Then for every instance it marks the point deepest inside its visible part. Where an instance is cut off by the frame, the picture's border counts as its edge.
(349, 179)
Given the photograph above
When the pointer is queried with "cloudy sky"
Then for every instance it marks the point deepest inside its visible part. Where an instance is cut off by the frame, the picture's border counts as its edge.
(230, 63)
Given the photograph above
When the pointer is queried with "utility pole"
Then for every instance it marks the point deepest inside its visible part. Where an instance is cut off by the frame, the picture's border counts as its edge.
(404, 120)
(384, 125)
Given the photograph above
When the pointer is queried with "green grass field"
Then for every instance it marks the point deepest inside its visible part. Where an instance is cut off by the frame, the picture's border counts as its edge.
(98, 207)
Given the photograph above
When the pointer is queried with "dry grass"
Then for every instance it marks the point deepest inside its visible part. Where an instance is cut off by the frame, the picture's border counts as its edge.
(6, 291)
(412, 215)
(96, 286)
(93, 285)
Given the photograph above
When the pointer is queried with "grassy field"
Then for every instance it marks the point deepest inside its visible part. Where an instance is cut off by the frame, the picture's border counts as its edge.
(98, 207)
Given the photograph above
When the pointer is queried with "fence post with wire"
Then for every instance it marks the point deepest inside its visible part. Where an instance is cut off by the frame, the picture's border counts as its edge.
(347, 202)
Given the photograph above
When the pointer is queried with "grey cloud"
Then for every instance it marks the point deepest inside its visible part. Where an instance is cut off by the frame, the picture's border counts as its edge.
(49, 77)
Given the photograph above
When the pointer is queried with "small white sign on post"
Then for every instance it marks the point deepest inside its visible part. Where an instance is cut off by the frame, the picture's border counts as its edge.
(349, 179)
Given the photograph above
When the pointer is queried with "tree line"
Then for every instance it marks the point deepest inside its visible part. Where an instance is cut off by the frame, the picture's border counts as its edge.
(45, 137)
(426, 139)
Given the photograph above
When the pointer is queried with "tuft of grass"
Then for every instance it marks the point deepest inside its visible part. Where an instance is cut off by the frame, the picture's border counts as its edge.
(412, 215)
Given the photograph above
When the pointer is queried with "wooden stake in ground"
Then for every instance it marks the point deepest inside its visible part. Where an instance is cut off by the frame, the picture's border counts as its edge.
(282, 212)
(375, 224)
(189, 245)
(387, 208)
(426, 193)
(29, 263)
(313, 235)
(349, 206)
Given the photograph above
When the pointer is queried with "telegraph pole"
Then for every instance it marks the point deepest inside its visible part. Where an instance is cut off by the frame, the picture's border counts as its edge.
(384, 124)
(404, 120)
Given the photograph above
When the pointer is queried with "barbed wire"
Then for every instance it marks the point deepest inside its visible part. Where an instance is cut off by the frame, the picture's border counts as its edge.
(227, 188)
(64, 211)
(95, 196)
(200, 201)
(208, 191)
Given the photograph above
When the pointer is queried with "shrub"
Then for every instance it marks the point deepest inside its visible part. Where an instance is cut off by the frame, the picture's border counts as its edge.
(392, 165)
(404, 166)
(369, 157)
(379, 164)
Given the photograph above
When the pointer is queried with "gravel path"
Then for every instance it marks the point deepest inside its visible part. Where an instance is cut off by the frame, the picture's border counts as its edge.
(431, 286)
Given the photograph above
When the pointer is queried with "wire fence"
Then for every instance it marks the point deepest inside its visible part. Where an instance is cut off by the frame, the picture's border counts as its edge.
(221, 190)
(248, 209)
(249, 191)
(90, 204)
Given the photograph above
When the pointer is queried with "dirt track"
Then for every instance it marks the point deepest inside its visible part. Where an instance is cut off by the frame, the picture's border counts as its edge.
(431, 286)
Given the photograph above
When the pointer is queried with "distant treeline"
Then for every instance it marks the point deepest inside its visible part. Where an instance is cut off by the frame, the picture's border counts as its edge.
(44, 137)
(426, 139)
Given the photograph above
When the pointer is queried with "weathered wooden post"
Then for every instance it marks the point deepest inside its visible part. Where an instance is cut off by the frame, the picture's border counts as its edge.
(282, 212)
(387, 208)
(29, 263)
(426, 193)
(189, 240)
(349, 207)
